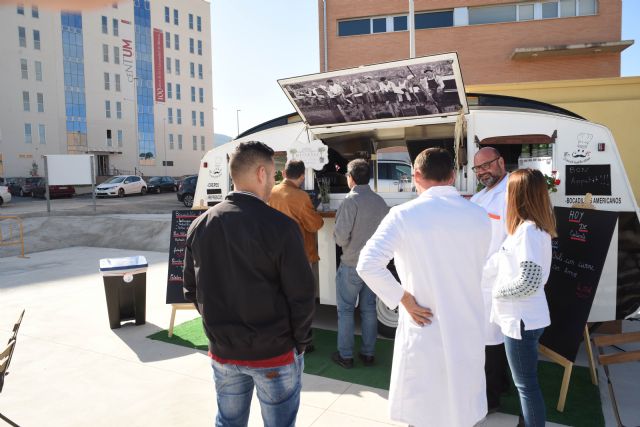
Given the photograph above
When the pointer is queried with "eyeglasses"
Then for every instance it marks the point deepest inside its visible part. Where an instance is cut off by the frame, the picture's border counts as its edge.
(485, 166)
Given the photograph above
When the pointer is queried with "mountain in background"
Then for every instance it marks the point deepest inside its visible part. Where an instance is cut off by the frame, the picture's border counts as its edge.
(219, 139)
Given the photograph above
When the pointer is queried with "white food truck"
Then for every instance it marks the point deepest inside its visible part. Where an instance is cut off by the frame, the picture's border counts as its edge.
(348, 114)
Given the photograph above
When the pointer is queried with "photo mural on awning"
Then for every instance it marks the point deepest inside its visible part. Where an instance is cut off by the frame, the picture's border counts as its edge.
(420, 87)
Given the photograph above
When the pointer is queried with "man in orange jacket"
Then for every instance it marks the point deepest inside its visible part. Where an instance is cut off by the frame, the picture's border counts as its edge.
(291, 200)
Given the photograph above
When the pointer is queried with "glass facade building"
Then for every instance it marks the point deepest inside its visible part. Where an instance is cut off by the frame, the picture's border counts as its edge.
(73, 63)
(144, 80)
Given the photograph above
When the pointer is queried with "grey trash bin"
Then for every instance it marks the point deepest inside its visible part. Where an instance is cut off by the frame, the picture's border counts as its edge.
(125, 288)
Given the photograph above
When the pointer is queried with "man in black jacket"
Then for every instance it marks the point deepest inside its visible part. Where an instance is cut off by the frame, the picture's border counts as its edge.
(247, 273)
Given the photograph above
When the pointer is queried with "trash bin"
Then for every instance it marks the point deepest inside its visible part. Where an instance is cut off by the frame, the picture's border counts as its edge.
(125, 288)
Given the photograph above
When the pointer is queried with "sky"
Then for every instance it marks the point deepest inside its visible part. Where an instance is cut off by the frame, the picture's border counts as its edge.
(257, 42)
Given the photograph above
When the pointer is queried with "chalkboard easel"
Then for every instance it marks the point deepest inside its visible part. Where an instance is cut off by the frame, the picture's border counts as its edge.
(180, 222)
(579, 254)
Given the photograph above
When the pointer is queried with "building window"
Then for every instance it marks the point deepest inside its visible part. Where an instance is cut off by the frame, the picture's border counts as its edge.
(42, 134)
(35, 13)
(177, 67)
(116, 55)
(24, 69)
(379, 25)
(170, 115)
(107, 83)
(168, 61)
(178, 95)
(116, 30)
(493, 14)
(176, 42)
(27, 133)
(117, 80)
(118, 109)
(169, 90)
(434, 19)
(199, 23)
(109, 140)
(400, 23)
(194, 142)
(105, 53)
(178, 116)
(22, 37)
(73, 66)
(354, 27)
(40, 99)
(200, 71)
(20, 9)
(175, 17)
(201, 95)
(26, 104)
(191, 21)
(105, 30)
(120, 137)
(202, 143)
(200, 47)
(193, 94)
(192, 69)
(202, 118)
(167, 16)
(107, 109)
(179, 141)
(550, 10)
(38, 65)
(167, 40)
(587, 7)
(525, 12)
(194, 118)
(191, 45)
(171, 147)
(36, 39)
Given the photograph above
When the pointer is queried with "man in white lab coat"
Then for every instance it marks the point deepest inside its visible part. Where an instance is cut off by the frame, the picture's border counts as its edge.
(490, 169)
(439, 242)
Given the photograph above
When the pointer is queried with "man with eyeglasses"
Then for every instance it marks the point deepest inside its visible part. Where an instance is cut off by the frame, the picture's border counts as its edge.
(490, 170)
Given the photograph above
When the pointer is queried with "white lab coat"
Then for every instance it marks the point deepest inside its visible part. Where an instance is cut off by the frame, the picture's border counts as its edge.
(439, 242)
(493, 201)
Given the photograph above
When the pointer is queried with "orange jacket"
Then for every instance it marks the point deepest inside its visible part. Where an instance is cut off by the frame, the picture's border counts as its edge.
(296, 204)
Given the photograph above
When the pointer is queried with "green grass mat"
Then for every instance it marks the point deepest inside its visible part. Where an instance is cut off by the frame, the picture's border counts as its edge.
(583, 407)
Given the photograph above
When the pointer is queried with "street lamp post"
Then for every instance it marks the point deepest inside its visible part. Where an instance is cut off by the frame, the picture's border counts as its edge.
(238, 120)
(164, 142)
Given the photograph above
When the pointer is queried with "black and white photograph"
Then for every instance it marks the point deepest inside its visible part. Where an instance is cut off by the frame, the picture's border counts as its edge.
(427, 86)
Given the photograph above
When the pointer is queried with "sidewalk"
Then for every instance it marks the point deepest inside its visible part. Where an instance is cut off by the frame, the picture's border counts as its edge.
(70, 369)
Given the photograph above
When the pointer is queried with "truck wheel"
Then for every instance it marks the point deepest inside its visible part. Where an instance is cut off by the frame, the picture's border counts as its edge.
(387, 319)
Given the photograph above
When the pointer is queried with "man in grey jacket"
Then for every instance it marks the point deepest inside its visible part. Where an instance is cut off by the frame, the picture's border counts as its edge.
(357, 219)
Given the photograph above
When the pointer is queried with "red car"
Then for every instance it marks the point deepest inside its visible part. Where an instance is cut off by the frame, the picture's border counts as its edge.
(54, 190)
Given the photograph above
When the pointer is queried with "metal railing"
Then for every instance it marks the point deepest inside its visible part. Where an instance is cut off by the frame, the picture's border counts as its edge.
(15, 235)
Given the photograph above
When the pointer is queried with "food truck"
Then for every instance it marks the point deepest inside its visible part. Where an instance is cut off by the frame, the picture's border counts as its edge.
(408, 106)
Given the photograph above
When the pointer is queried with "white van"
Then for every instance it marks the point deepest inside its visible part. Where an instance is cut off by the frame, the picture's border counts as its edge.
(578, 154)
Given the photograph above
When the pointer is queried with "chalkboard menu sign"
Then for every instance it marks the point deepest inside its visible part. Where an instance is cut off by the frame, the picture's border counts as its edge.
(579, 254)
(180, 222)
(583, 179)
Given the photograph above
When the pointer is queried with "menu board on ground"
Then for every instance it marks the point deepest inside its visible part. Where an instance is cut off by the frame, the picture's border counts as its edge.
(579, 254)
(180, 222)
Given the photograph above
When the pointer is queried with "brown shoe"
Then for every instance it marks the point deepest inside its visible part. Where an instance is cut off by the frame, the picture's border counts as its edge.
(367, 360)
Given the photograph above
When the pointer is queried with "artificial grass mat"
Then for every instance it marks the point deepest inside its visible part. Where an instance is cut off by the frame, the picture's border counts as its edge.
(583, 407)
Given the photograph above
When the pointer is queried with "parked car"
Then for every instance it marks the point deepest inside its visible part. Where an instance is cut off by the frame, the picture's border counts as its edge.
(29, 184)
(121, 185)
(157, 184)
(5, 196)
(187, 189)
(54, 190)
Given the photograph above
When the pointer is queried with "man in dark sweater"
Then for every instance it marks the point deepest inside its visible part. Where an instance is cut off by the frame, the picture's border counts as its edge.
(247, 273)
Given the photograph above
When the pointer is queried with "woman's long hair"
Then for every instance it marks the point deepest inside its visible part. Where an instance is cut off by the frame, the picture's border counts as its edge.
(528, 199)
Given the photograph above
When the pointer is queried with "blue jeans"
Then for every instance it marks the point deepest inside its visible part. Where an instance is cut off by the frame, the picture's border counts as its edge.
(278, 391)
(523, 360)
(349, 286)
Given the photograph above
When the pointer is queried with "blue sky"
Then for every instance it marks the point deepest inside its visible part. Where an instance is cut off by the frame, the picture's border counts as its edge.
(256, 42)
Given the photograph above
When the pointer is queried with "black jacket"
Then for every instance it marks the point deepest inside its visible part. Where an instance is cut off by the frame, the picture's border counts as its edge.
(246, 269)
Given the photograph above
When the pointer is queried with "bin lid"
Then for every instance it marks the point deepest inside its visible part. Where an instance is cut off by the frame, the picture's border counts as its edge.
(122, 265)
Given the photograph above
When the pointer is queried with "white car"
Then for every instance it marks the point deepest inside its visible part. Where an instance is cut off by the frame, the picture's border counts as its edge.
(5, 196)
(121, 185)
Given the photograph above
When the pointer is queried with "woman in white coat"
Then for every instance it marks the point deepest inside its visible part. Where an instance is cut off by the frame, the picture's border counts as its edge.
(520, 270)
